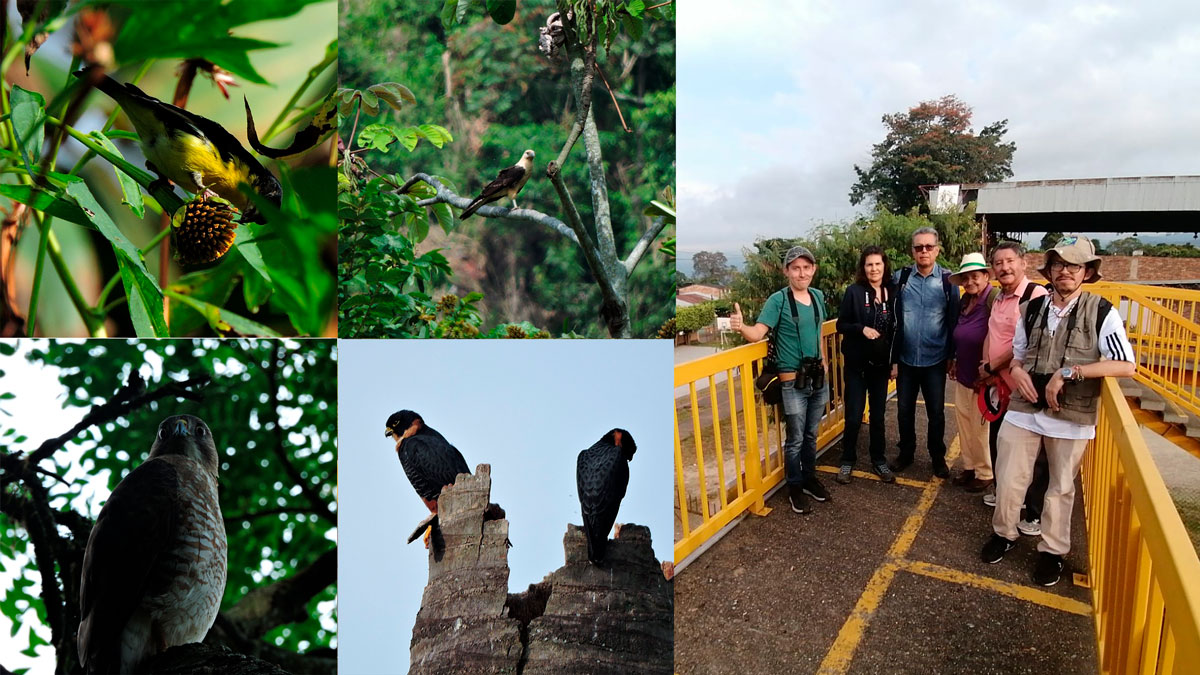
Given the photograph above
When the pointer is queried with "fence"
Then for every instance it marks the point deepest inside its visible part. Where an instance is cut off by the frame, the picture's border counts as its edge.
(1144, 570)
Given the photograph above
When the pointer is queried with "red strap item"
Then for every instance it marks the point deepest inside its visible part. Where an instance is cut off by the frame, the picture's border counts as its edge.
(993, 399)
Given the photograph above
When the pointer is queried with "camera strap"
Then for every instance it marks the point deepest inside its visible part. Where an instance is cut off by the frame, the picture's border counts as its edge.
(796, 317)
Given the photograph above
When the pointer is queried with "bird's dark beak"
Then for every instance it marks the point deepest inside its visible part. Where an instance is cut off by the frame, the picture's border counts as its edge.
(179, 428)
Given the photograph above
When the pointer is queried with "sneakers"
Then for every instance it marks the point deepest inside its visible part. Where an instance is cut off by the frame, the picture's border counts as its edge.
(989, 498)
(885, 474)
(940, 469)
(995, 548)
(843, 476)
(965, 478)
(1049, 569)
(798, 500)
(977, 485)
(814, 489)
(1030, 528)
(901, 463)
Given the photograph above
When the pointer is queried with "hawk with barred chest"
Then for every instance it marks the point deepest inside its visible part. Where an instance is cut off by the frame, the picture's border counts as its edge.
(154, 568)
(602, 475)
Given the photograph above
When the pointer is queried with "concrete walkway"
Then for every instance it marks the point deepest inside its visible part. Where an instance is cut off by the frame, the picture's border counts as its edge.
(880, 579)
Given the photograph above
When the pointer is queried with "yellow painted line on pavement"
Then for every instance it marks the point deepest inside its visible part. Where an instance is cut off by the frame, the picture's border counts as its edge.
(1026, 593)
(837, 659)
(871, 476)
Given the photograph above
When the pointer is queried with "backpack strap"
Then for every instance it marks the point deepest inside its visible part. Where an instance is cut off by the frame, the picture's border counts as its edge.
(904, 274)
(1102, 310)
(1025, 295)
(1032, 309)
(993, 293)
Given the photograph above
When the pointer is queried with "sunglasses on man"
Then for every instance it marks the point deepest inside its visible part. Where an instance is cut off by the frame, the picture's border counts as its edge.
(920, 248)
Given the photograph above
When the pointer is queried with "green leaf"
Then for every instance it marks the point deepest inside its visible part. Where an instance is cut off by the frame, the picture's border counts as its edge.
(633, 26)
(199, 28)
(255, 290)
(393, 93)
(408, 137)
(50, 204)
(29, 124)
(657, 208)
(377, 136)
(143, 292)
(502, 11)
(370, 103)
(454, 11)
(435, 134)
(223, 320)
(130, 189)
(7, 348)
(145, 301)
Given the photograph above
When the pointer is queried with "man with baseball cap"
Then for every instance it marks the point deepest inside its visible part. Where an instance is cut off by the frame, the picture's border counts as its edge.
(796, 314)
(1063, 345)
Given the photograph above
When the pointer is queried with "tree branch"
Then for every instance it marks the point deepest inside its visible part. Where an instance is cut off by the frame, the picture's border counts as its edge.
(321, 508)
(583, 68)
(643, 244)
(128, 398)
(446, 196)
(284, 601)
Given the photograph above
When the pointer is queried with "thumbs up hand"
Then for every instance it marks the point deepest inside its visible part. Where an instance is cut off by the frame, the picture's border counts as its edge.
(735, 319)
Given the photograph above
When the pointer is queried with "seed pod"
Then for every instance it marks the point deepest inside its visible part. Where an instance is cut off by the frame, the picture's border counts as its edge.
(202, 231)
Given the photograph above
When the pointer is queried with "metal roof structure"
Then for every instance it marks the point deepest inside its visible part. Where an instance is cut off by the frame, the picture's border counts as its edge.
(1135, 204)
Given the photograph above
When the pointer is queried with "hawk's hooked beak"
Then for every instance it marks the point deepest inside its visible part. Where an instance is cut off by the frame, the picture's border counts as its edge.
(179, 428)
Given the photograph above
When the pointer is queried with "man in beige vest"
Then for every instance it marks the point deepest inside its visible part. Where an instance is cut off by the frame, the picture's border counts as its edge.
(1064, 344)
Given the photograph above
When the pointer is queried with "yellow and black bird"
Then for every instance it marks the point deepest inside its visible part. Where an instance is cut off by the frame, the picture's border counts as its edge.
(194, 152)
(507, 184)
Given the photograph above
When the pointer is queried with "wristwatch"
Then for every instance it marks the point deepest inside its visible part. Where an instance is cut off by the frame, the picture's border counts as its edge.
(1070, 374)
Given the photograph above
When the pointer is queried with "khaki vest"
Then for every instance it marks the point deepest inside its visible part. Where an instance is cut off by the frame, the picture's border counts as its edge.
(1079, 400)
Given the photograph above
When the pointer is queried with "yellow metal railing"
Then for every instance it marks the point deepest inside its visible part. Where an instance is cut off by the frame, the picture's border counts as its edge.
(1145, 575)
(1162, 327)
(730, 452)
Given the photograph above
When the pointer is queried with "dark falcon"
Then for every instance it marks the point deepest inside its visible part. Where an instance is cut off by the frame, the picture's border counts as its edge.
(429, 461)
(602, 475)
(507, 184)
(154, 567)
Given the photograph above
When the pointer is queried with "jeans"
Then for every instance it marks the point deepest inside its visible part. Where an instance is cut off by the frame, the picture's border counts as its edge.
(931, 381)
(1036, 494)
(872, 381)
(802, 411)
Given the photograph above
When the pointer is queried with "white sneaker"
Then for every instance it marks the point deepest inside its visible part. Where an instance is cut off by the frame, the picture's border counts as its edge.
(1030, 528)
(989, 497)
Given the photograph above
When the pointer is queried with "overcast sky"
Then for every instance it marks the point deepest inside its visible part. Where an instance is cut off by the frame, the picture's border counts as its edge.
(779, 101)
(527, 407)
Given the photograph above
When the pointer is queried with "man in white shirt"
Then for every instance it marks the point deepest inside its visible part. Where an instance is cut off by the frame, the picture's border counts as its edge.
(1064, 344)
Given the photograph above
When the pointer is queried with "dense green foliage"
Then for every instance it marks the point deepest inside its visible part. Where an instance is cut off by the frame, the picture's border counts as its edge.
(932, 143)
(1127, 245)
(272, 410)
(837, 247)
(100, 220)
(694, 317)
(495, 95)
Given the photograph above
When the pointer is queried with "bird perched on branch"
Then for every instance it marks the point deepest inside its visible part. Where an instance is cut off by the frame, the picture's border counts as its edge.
(507, 184)
(194, 152)
(155, 563)
(602, 474)
(429, 461)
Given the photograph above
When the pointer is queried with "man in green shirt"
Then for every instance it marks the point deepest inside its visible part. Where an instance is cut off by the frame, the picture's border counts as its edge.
(794, 316)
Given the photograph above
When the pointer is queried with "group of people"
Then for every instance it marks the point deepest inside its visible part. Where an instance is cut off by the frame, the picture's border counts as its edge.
(1025, 362)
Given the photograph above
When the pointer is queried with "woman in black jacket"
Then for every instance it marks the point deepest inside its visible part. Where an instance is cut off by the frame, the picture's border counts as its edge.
(867, 322)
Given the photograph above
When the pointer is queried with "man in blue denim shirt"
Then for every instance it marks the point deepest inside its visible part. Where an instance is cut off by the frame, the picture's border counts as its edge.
(926, 313)
(800, 356)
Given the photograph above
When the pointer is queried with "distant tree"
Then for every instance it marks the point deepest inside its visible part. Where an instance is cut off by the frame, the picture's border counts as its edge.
(711, 267)
(1124, 246)
(932, 143)
(682, 279)
(1050, 239)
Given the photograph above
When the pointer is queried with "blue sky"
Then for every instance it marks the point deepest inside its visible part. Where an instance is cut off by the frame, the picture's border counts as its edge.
(779, 101)
(527, 407)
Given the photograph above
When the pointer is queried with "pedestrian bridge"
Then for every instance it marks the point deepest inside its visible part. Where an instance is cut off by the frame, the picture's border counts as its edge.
(887, 578)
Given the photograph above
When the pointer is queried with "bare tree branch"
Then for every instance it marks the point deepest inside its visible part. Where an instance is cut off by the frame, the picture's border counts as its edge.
(128, 398)
(284, 601)
(446, 196)
(643, 244)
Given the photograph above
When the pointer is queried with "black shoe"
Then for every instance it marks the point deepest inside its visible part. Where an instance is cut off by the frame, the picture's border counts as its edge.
(814, 489)
(995, 548)
(1049, 569)
(885, 474)
(798, 499)
(940, 469)
(901, 463)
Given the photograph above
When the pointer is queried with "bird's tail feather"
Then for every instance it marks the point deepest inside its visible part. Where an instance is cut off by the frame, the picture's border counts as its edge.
(431, 521)
(597, 541)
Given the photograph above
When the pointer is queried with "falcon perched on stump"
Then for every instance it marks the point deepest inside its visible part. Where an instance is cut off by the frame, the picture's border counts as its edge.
(602, 474)
(154, 567)
(429, 461)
